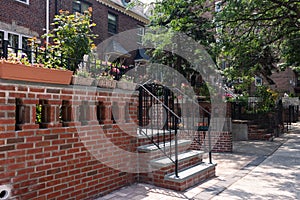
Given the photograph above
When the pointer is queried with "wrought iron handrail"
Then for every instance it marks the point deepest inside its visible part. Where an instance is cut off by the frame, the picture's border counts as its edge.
(192, 100)
(199, 128)
(165, 106)
(167, 129)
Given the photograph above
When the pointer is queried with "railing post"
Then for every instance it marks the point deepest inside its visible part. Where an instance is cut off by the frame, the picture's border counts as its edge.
(140, 106)
(209, 147)
(176, 147)
(166, 102)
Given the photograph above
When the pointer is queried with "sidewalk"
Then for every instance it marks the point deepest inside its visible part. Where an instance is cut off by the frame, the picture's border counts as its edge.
(255, 170)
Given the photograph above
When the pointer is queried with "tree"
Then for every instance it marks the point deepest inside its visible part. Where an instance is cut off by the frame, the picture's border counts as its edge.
(259, 36)
(72, 39)
(190, 18)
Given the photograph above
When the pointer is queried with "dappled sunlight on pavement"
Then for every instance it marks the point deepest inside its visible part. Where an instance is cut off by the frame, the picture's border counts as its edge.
(278, 177)
(255, 170)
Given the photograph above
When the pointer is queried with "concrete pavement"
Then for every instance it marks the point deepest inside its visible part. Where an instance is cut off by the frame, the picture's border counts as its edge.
(255, 170)
(278, 177)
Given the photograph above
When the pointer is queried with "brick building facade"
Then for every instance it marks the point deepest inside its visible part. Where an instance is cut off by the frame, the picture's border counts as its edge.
(85, 141)
(23, 19)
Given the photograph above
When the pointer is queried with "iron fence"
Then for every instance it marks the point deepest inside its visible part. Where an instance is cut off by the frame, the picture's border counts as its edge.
(93, 66)
(277, 118)
(166, 114)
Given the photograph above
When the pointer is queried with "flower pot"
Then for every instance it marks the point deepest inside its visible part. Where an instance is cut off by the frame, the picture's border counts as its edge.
(106, 83)
(79, 80)
(21, 72)
(126, 85)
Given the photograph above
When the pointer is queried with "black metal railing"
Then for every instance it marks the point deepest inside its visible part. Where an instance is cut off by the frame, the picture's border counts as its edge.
(195, 119)
(164, 113)
(275, 119)
(290, 115)
(158, 120)
(91, 64)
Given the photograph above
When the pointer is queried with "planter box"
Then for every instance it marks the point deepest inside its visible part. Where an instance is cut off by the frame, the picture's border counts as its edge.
(78, 80)
(126, 85)
(34, 74)
(106, 83)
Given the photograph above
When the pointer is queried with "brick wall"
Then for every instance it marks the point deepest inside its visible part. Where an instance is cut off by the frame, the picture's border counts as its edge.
(33, 16)
(220, 141)
(31, 20)
(18, 15)
(68, 155)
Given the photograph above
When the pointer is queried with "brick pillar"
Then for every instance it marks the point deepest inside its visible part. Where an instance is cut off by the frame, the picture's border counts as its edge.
(121, 113)
(107, 113)
(50, 113)
(26, 114)
(70, 113)
(92, 114)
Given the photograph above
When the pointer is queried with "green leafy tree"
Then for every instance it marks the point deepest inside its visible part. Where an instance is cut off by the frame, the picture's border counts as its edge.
(72, 39)
(259, 36)
(170, 20)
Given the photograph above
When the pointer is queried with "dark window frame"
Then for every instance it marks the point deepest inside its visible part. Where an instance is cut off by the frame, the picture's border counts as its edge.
(140, 34)
(79, 3)
(112, 27)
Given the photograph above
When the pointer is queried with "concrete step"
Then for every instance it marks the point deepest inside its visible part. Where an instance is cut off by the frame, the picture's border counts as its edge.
(189, 176)
(259, 131)
(145, 133)
(189, 172)
(167, 145)
(184, 156)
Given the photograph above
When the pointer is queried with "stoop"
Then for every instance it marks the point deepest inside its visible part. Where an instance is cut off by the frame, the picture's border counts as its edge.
(192, 170)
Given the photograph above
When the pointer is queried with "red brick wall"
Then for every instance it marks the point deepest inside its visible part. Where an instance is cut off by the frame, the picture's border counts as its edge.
(284, 81)
(65, 160)
(33, 16)
(220, 141)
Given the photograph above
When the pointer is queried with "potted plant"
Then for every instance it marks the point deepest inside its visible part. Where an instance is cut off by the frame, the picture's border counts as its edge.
(17, 67)
(71, 40)
(126, 83)
(82, 77)
(106, 82)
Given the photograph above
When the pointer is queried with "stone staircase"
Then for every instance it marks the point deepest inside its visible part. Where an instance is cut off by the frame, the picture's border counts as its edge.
(164, 159)
(158, 161)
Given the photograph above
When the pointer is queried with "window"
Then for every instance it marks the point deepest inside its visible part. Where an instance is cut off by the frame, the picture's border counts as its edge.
(13, 41)
(25, 43)
(218, 6)
(140, 34)
(24, 1)
(112, 23)
(258, 81)
(80, 6)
